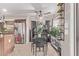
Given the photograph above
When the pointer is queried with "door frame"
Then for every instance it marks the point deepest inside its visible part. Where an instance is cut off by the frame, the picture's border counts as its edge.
(20, 21)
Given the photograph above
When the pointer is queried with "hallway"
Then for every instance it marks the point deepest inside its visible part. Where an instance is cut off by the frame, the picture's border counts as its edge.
(25, 50)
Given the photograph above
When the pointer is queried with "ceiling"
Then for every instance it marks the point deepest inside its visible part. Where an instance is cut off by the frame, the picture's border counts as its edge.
(26, 9)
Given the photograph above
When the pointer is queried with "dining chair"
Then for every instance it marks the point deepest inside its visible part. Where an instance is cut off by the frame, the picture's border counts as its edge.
(40, 43)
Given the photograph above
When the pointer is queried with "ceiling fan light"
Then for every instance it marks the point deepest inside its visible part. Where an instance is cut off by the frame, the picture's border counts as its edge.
(41, 17)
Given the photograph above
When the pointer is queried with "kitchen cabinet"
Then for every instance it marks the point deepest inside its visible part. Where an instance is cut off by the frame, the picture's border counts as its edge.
(6, 38)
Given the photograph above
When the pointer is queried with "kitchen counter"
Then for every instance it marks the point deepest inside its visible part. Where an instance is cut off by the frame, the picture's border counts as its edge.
(6, 43)
(7, 32)
(1, 46)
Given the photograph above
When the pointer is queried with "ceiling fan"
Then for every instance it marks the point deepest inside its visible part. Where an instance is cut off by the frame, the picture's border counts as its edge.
(41, 13)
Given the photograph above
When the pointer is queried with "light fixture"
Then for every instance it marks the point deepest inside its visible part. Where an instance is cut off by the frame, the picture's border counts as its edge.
(40, 14)
(4, 10)
(1, 35)
(41, 17)
(9, 41)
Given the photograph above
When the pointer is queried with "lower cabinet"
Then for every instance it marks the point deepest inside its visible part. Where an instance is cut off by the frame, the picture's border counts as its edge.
(1, 46)
(6, 44)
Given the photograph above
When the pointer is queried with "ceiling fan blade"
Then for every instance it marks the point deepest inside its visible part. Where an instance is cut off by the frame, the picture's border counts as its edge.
(47, 13)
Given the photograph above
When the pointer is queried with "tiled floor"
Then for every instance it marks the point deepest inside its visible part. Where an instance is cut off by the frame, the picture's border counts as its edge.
(25, 50)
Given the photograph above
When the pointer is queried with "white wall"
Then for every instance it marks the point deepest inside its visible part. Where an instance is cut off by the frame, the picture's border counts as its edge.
(28, 26)
(65, 44)
(68, 43)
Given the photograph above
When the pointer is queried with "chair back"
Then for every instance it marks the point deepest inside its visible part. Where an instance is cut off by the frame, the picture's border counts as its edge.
(40, 42)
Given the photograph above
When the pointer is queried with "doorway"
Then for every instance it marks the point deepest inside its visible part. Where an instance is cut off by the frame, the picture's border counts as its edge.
(20, 31)
(33, 26)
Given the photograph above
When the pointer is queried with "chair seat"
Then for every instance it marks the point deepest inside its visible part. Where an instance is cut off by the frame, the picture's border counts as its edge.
(40, 45)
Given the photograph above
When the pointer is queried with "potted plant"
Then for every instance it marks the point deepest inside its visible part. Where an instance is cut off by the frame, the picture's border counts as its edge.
(39, 29)
(55, 31)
